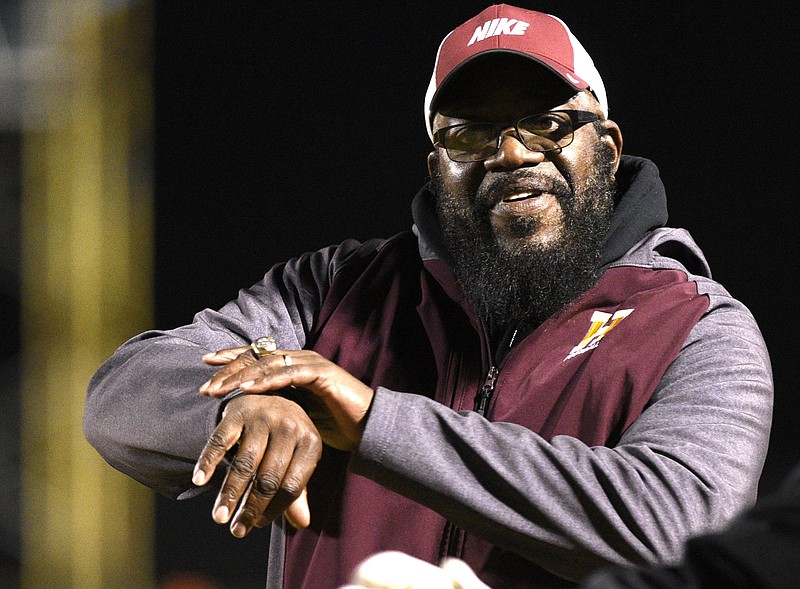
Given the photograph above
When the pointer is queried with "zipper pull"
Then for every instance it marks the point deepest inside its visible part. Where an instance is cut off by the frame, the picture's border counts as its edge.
(485, 394)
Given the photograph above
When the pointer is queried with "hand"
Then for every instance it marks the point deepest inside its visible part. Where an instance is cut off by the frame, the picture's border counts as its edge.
(396, 570)
(279, 447)
(338, 404)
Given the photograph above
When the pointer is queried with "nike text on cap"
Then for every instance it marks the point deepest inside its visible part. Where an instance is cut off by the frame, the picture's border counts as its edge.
(541, 37)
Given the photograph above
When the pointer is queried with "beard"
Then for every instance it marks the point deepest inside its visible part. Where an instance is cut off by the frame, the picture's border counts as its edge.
(515, 282)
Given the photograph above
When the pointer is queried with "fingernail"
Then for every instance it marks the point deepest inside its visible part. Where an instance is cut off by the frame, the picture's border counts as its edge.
(199, 477)
(221, 514)
(209, 355)
(247, 385)
(205, 386)
(238, 530)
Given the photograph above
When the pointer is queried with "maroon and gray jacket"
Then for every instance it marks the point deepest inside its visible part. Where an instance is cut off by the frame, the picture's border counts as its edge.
(610, 433)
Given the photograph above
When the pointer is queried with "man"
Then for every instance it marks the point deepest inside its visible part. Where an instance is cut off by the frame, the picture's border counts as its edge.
(540, 380)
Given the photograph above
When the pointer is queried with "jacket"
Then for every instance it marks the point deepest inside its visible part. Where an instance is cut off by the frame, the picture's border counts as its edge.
(637, 416)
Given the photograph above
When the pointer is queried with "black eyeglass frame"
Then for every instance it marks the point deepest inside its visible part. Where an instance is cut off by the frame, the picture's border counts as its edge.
(577, 118)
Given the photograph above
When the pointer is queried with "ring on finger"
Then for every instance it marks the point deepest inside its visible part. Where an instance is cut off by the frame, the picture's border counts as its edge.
(264, 346)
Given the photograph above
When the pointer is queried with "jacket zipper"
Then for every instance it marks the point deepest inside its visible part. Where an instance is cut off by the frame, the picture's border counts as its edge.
(452, 535)
(486, 392)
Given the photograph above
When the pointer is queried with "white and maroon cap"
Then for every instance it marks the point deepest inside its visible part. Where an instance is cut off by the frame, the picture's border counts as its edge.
(538, 36)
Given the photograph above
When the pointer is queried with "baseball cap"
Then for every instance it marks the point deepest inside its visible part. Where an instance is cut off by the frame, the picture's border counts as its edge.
(503, 28)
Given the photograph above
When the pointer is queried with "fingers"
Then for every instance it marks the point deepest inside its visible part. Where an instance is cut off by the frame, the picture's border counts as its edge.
(237, 484)
(278, 451)
(298, 513)
(277, 483)
(222, 357)
(260, 375)
(232, 361)
(224, 437)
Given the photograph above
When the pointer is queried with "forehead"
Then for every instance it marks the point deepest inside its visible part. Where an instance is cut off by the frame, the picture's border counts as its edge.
(500, 87)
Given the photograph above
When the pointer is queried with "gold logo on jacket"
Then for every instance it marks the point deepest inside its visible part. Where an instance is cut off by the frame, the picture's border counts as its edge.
(602, 323)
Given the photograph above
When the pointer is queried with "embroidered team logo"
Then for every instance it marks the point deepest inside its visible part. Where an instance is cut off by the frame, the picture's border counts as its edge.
(602, 323)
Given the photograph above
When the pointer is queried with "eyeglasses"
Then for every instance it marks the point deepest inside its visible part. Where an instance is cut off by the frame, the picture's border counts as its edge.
(544, 132)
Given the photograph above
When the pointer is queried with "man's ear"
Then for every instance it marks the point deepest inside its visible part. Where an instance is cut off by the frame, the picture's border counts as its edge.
(433, 161)
(613, 138)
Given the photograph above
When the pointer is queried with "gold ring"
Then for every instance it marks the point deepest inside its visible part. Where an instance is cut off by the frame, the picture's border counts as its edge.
(264, 346)
(287, 360)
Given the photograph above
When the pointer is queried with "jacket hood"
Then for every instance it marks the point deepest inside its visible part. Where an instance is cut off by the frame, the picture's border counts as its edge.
(641, 207)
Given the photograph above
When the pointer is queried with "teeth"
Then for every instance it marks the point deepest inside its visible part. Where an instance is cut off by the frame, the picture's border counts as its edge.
(522, 196)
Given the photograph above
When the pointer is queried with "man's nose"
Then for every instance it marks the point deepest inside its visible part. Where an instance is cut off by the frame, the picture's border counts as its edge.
(512, 154)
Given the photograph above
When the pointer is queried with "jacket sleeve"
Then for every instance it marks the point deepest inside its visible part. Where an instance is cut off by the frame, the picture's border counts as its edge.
(688, 463)
(759, 549)
(143, 412)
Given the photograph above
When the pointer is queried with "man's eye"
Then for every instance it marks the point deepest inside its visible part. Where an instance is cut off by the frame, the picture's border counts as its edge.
(549, 124)
(468, 135)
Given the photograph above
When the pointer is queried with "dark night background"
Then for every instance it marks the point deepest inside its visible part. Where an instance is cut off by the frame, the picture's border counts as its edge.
(285, 128)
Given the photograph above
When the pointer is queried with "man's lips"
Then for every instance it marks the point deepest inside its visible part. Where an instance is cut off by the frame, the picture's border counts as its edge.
(521, 196)
(515, 191)
(524, 203)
